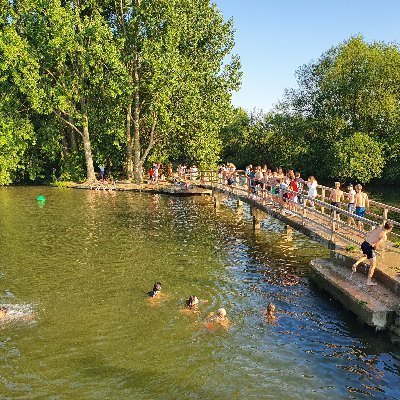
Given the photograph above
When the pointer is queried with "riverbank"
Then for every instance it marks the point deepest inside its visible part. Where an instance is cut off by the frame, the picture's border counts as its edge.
(153, 188)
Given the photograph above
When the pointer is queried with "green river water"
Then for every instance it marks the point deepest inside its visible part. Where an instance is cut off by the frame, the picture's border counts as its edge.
(81, 265)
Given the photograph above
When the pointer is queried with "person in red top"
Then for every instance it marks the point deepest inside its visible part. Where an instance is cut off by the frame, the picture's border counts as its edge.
(293, 196)
(151, 174)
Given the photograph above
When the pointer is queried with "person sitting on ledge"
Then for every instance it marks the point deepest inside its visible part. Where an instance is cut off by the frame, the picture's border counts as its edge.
(156, 290)
(374, 239)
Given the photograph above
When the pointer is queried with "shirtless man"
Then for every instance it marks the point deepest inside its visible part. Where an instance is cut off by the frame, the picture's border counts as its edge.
(374, 239)
(361, 203)
(336, 199)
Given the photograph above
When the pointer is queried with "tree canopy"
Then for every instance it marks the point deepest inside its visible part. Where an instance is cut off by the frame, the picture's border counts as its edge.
(342, 121)
(115, 83)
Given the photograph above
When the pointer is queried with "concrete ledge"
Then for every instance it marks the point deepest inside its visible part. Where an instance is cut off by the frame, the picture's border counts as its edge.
(386, 276)
(367, 308)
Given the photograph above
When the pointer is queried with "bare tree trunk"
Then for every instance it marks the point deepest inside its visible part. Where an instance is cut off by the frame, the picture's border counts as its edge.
(136, 129)
(128, 155)
(90, 175)
(64, 142)
(72, 140)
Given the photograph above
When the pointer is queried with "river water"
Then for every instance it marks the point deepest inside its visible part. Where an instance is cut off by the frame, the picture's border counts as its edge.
(80, 266)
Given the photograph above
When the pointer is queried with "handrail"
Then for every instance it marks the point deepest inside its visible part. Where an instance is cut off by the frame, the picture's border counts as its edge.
(242, 184)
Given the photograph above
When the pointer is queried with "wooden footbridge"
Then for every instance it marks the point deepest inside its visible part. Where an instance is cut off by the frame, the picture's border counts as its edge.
(377, 306)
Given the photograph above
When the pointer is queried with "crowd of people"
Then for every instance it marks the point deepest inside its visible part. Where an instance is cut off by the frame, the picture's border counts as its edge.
(288, 190)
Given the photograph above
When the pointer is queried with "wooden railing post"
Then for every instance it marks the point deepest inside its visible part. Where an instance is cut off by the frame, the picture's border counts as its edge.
(323, 199)
(333, 218)
(385, 215)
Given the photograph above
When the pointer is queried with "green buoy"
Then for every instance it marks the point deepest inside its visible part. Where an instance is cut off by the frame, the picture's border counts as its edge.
(41, 199)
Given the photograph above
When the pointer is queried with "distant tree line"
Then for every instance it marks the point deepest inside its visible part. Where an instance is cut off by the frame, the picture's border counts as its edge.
(89, 82)
(342, 122)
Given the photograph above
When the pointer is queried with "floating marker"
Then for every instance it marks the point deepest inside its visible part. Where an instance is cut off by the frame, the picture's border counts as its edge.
(41, 198)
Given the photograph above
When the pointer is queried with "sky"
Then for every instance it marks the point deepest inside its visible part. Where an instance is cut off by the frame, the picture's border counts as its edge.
(275, 37)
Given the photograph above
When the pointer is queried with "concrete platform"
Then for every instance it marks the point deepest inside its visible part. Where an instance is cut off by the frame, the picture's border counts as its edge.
(376, 305)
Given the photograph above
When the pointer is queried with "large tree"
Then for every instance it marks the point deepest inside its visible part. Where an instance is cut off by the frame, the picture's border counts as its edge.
(178, 79)
(77, 57)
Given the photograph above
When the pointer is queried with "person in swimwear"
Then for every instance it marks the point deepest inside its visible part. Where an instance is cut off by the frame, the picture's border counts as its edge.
(361, 203)
(374, 239)
(336, 199)
(269, 313)
(3, 312)
(220, 318)
(156, 290)
(192, 302)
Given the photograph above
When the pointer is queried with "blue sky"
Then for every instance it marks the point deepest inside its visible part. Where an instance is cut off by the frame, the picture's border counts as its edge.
(274, 38)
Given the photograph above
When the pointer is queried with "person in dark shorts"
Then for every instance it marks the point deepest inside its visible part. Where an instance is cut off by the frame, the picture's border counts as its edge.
(374, 239)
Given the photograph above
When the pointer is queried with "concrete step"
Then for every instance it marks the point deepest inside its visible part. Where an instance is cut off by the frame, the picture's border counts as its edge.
(373, 305)
(385, 273)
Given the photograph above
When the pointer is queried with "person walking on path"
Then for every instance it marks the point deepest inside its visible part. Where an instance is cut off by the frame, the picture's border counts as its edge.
(361, 203)
(373, 240)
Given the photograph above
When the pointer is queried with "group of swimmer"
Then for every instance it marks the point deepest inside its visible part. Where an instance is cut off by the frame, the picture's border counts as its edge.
(219, 317)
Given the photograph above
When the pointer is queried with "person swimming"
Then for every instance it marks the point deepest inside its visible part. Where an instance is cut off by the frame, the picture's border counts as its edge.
(156, 290)
(219, 318)
(3, 312)
(269, 313)
(192, 302)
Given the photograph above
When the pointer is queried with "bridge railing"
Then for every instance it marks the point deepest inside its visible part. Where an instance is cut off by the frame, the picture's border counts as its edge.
(310, 210)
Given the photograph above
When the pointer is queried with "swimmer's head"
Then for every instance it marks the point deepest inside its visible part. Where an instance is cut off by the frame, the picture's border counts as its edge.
(337, 184)
(157, 287)
(193, 300)
(271, 308)
(358, 187)
(221, 313)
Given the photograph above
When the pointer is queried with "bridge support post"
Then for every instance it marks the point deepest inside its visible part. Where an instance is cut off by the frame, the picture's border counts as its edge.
(289, 233)
(257, 218)
(333, 226)
(239, 209)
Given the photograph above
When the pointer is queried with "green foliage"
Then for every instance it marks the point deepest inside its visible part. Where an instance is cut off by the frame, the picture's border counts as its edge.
(351, 248)
(62, 184)
(358, 157)
(342, 122)
(73, 168)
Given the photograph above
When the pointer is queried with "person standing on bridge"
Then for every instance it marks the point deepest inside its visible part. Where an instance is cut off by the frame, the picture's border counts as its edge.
(336, 199)
(374, 239)
(361, 203)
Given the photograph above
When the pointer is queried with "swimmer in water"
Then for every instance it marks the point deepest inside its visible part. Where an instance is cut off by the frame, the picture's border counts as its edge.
(3, 312)
(191, 306)
(192, 302)
(269, 313)
(220, 318)
(156, 290)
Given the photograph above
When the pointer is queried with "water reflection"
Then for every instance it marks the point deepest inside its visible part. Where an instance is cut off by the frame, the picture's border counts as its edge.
(87, 260)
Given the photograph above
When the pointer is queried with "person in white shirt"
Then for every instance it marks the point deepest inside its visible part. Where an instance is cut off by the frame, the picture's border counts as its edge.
(312, 189)
(350, 205)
